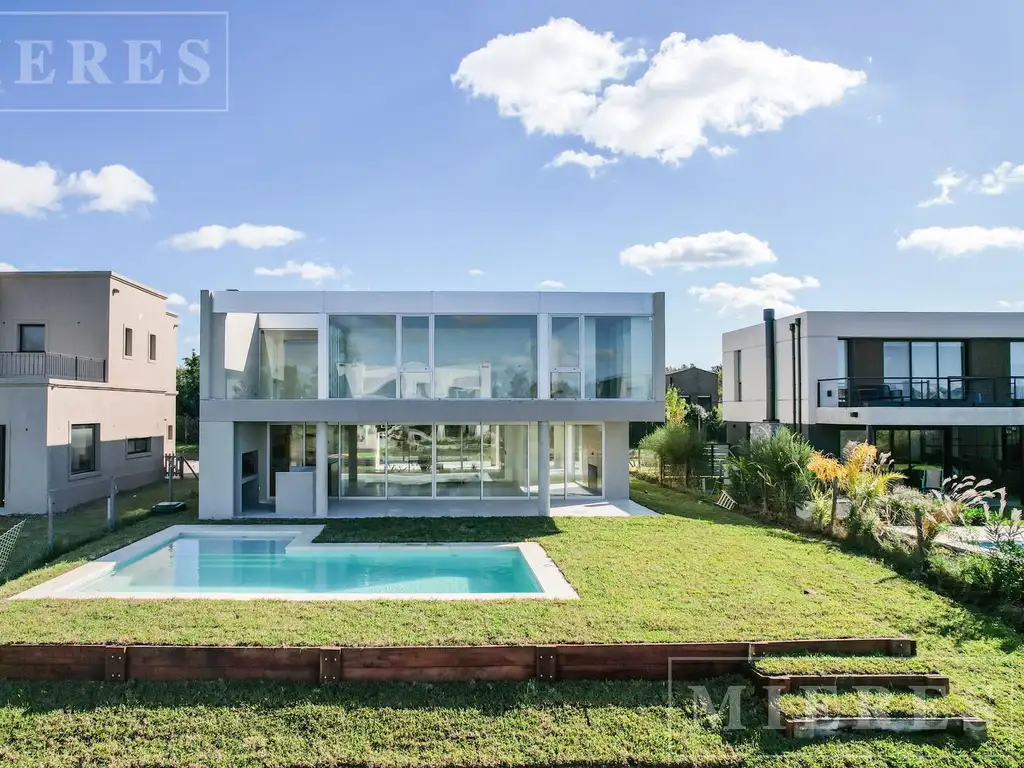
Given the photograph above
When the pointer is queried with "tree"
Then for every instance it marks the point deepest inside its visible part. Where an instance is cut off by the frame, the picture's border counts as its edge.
(675, 407)
(188, 386)
(717, 370)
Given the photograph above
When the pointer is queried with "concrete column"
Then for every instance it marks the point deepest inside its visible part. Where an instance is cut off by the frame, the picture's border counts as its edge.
(218, 486)
(544, 468)
(353, 453)
(321, 469)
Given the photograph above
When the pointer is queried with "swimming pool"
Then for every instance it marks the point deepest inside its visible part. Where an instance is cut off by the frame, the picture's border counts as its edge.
(283, 563)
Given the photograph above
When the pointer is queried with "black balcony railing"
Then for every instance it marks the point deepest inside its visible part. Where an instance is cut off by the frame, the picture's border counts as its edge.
(939, 391)
(52, 365)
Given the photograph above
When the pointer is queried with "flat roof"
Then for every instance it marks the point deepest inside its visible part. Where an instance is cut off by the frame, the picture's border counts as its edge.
(84, 273)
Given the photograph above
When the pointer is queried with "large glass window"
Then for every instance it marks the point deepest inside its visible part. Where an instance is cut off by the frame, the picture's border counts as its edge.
(410, 456)
(84, 438)
(896, 366)
(1017, 369)
(485, 356)
(362, 352)
(288, 364)
(505, 460)
(416, 357)
(619, 357)
(458, 460)
(584, 448)
(925, 370)
(564, 355)
(363, 460)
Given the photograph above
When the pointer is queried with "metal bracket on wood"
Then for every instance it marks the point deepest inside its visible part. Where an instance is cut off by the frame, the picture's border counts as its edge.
(547, 666)
(115, 667)
(905, 647)
(330, 665)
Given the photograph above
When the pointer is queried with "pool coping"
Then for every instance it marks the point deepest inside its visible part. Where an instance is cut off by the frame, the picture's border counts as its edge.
(552, 582)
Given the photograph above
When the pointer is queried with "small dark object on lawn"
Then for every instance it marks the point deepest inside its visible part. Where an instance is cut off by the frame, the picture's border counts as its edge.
(166, 507)
(809, 592)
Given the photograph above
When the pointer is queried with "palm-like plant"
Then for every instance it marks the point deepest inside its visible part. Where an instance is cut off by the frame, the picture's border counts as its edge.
(864, 475)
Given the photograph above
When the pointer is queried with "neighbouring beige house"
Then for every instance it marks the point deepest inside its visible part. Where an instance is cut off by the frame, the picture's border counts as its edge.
(87, 387)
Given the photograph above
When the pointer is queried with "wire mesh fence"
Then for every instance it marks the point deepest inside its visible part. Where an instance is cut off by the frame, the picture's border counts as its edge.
(85, 523)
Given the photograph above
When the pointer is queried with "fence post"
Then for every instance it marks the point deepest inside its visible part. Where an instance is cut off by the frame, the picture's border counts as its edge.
(111, 508)
(835, 505)
(919, 531)
(170, 462)
(49, 523)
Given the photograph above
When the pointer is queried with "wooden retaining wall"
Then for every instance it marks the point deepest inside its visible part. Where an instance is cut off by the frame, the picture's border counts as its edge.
(414, 663)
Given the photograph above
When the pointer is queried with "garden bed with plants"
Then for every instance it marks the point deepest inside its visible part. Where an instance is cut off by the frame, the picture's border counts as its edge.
(783, 480)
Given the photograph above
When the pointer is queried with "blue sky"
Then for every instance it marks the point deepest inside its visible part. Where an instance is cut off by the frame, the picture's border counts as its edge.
(364, 165)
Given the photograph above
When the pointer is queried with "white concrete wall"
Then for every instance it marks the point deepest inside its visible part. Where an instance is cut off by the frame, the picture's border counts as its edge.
(120, 414)
(217, 477)
(23, 410)
(616, 460)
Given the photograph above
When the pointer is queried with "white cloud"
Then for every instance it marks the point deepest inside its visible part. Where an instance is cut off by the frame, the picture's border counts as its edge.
(1016, 306)
(114, 188)
(215, 236)
(711, 249)
(194, 308)
(5, 267)
(1001, 178)
(34, 190)
(548, 285)
(957, 241)
(590, 162)
(947, 181)
(475, 272)
(564, 79)
(307, 270)
(771, 290)
(721, 151)
(29, 190)
(176, 300)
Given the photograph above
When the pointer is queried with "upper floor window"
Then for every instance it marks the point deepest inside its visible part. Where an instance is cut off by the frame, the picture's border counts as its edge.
(152, 346)
(127, 342)
(288, 364)
(32, 337)
(362, 353)
(564, 357)
(485, 356)
(416, 370)
(619, 357)
(738, 374)
(924, 370)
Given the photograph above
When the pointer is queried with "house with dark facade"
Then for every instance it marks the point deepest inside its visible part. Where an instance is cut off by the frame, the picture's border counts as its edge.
(695, 385)
(942, 392)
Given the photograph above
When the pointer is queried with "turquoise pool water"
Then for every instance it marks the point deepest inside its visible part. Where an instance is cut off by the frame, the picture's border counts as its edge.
(198, 564)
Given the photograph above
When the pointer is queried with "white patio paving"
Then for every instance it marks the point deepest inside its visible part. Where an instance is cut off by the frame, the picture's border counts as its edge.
(370, 508)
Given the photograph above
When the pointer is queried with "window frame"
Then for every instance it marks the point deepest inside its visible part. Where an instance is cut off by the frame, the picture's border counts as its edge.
(21, 341)
(128, 343)
(134, 454)
(94, 470)
(151, 349)
(576, 369)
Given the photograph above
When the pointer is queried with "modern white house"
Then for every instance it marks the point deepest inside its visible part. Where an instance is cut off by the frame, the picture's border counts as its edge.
(317, 403)
(942, 392)
(87, 387)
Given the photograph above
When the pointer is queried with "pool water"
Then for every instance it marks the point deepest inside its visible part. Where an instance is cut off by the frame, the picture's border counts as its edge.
(198, 564)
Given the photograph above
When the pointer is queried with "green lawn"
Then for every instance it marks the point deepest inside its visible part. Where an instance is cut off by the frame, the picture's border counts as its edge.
(696, 573)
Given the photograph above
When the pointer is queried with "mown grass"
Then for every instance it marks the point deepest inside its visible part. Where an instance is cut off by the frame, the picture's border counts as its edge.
(873, 704)
(820, 664)
(696, 573)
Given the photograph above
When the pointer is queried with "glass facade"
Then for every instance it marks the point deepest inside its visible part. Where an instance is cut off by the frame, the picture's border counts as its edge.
(363, 352)
(619, 357)
(485, 356)
(924, 370)
(442, 460)
(288, 364)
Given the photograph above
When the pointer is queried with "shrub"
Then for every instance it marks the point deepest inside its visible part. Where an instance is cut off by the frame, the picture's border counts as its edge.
(901, 503)
(771, 474)
(974, 516)
(677, 447)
